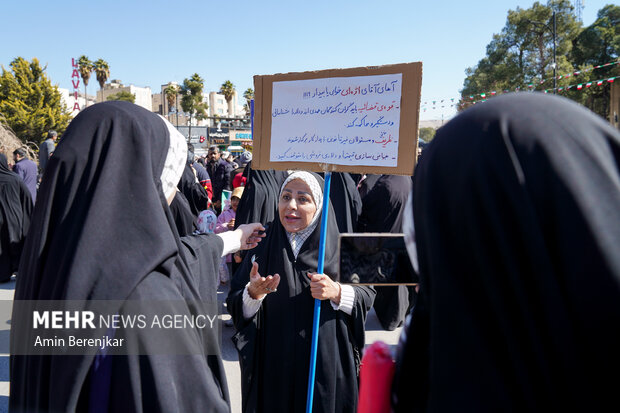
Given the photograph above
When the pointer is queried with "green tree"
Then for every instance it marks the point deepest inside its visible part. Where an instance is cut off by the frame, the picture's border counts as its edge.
(522, 54)
(248, 95)
(102, 71)
(228, 90)
(85, 66)
(192, 100)
(427, 134)
(596, 45)
(29, 103)
(123, 95)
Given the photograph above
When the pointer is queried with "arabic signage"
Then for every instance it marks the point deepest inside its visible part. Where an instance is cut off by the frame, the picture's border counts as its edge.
(353, 120)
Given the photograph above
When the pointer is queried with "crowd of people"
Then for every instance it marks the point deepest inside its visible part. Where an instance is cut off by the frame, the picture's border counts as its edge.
(511, 220)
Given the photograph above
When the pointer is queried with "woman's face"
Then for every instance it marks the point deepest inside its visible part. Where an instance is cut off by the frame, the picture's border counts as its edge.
(296, 206)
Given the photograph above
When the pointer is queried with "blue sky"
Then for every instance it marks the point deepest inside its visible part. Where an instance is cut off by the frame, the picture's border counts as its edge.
(148, 43)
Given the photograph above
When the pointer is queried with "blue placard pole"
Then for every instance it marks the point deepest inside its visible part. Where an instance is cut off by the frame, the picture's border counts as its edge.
(317, 303)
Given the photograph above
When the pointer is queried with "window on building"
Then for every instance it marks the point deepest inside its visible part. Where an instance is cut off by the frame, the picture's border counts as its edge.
(220, 111)
(220, 101)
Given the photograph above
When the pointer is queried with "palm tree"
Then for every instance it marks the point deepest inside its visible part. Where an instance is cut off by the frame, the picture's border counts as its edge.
(171, 92)
(248, 95)
(228, 90)
(85, 67)
(191, 99)
(102, 70)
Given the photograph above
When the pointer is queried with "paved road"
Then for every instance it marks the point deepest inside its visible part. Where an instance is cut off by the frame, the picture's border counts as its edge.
(229, 354)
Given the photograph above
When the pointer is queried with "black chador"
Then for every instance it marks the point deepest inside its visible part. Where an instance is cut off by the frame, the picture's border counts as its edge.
(516, 208)
(102, 230)
(15, 210)
(382, 211)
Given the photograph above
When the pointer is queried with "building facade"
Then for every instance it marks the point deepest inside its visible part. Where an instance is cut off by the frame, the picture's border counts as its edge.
(143, 94)
(68, 98)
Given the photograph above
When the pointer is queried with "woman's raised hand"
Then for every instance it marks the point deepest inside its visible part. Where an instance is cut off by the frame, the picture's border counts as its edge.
(261, 286)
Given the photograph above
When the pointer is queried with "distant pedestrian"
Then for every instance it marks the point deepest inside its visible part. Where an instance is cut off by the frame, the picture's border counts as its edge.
(226, 222)
(236, 175)
(27, 170)
(201, 173)
(47, 149)
(219, 171)
(15, 210)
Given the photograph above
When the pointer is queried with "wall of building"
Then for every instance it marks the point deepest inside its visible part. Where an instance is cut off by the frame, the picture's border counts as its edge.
(143, 94)
(68, 98)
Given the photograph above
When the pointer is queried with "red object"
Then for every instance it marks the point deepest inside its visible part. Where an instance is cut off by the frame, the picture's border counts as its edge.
(202, 139)
(239, 180)
(376, 376)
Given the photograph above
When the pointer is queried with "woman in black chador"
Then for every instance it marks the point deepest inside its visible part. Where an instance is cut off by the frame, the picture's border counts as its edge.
(382, 211)
(102, 230)
(273, 314)
(516, 206)
(15, 210)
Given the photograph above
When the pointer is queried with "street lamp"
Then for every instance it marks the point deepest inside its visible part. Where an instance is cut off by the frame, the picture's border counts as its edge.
(553, 31)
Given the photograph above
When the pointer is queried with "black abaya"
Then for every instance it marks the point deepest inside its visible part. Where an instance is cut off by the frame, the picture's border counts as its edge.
(259, 202)
(102, 230)
(274, 345)
(516, 211)
(15, 210)
(382, 211)
(346, 201)
(195, 194)
(184, 220)
(367, 183)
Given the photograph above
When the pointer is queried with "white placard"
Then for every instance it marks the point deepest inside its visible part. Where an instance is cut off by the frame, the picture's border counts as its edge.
(339, 120)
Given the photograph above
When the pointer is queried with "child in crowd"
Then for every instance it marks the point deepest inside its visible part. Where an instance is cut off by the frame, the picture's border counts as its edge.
(226, 222)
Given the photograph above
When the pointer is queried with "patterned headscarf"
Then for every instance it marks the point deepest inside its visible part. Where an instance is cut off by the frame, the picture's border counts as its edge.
(175, 160)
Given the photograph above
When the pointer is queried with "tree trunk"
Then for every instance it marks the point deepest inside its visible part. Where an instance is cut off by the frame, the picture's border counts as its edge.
(189, 135)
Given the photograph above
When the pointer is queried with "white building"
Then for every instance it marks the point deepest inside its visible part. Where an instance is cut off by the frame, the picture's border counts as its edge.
(69, 100)
(142, 94)
(218, 106)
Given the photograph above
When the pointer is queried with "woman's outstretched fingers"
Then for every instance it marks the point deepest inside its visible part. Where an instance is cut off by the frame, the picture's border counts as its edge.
(260, 286)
